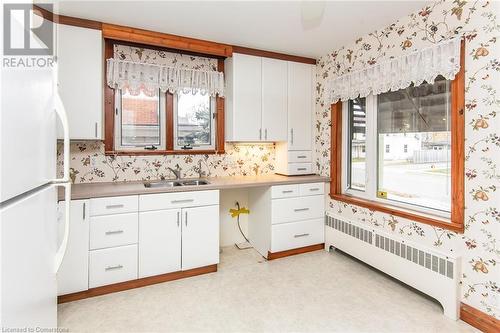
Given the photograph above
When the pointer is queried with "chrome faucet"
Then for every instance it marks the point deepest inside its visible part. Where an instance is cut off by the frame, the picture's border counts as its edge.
(200, 170)
(176, 172)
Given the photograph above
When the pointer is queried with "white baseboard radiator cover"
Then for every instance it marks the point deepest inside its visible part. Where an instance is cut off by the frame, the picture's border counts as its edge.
(433, 273)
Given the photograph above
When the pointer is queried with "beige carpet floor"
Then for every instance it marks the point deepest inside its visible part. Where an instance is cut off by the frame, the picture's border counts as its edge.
(314, 292)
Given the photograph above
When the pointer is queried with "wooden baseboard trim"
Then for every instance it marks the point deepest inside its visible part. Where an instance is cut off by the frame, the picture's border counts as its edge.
(479, 319)
(136, 283)
(292, 252)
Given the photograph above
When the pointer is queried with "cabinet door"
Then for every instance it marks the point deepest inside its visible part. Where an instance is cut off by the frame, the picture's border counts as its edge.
(80, 80)
(274, 99)
(73, 276)
(200, 236)
(159, 242)
(300, 106)
(247, 98)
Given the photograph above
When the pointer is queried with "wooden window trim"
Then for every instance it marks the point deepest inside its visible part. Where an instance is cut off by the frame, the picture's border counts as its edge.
(109, 117)
(456, 222)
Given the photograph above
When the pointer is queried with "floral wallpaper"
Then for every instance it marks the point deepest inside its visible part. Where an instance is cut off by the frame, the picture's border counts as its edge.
(89, 164)
(480, 244)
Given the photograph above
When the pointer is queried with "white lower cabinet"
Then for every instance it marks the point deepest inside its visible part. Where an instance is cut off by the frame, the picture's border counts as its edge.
(287, 217)
(113, 230)
(178, 239)
(200, 236)
(287, 236)
(112, 265)
(159, 242)
(73, 275)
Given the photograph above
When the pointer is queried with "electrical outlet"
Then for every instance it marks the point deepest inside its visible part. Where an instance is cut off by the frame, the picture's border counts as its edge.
(93, 161)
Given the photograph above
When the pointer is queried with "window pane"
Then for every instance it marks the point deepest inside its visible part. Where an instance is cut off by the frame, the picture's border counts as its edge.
(414, 145)
(357, 144)
(140, 120)
(194, 120)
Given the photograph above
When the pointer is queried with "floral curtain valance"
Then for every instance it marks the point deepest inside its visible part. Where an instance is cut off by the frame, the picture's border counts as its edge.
(136, 76)
(398, 73)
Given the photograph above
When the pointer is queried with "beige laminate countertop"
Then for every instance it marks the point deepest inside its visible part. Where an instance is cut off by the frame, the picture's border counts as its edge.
(113, 189)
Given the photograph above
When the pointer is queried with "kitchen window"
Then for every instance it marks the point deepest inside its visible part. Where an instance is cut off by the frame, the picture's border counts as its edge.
(194, 121)
(139, 121)
(162, 123)
(401, 152)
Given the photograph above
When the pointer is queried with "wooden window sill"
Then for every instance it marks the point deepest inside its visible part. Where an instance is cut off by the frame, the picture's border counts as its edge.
(401, 212)
(164, 152)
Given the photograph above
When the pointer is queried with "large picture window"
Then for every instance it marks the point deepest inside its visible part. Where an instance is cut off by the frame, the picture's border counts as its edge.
(401, 152)
(408, 163)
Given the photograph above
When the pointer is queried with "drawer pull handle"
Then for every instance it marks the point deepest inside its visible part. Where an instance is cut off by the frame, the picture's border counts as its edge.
(300, 209)
(301, 156)
(112, 268)
(182, 201)
(314, 189)
(301, 169)
(287, 191)
(114, 206)
(301, 235)
(113, 232)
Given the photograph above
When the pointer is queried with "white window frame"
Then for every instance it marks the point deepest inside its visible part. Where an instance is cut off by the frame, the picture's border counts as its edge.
(213, 125)
(371, 158)
(118, 125)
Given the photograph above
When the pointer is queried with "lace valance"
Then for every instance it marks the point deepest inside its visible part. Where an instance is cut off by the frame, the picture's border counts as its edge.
(398, 73)
(150, 78)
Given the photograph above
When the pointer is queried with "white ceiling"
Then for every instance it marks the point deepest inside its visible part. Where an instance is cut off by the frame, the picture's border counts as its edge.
(302, 28)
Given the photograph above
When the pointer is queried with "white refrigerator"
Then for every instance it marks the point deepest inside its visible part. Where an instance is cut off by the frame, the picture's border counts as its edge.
(29, 248)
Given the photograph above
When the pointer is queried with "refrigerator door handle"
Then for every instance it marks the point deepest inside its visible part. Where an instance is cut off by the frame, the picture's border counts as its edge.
(61, 251)
(61, 112)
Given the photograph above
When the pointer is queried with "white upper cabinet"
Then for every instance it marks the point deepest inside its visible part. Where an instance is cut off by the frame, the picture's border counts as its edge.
(269, 100)
(300, 106)
(80, 80)
(274, 100)
(243, 98)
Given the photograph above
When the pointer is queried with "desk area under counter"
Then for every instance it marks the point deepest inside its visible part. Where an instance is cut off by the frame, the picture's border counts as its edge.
(125, 235)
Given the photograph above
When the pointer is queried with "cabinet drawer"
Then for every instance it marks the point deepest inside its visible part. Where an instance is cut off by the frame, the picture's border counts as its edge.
(178, 200)
(299, 156)
(113, 265)
(311, 189)
(299, 168)
(113, 230)
(297, 234)
(285, 191)
(113, 205)
(296, 209)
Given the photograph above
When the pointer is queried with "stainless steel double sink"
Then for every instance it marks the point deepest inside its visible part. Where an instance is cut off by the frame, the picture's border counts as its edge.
(174, 183)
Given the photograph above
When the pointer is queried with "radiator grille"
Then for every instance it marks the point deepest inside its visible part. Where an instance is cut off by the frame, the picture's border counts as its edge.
(350, 229)
(427, 260)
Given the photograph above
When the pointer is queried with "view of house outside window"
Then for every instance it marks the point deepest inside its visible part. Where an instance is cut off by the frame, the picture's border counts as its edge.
(140, 119)
(413, 157)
